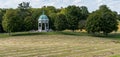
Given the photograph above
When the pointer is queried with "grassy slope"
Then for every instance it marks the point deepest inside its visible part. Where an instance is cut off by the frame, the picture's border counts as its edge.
(58, 44)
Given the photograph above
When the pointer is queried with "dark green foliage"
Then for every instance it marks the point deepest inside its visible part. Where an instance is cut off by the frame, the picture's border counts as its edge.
(29, 23)
(60, 22)
(24, 10)
(72, 23)
(84, 12)
(2, 12)
(73, 14)
(36, 12)
(84, 16)
(118, 16)
(93, 23)
(102, 21)
(25, 18)
(49, 9)
(28, 16)
(11, 21)
(52, 18)
(18, 19)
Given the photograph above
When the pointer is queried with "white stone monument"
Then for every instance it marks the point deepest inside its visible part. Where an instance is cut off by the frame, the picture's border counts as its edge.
(43, 23)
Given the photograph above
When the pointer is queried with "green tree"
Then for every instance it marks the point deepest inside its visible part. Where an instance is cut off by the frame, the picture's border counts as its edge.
(24, 10)
(49, 9)
(84, 12)
(102, 21)
(84, 16)
(11, 21)
(52, 18)
(73, 15)
(2, 12)
(60, 22)
(81, 24)
(29, 24)
(36, 12)
(118, 16)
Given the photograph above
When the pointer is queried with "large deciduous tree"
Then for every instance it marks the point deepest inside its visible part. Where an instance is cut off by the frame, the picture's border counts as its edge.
(60, 22)
(84, 16)
(118, 16)
(102, 21)
(25, 11)
(73, 14)
(11, 21)
(29, 23)
(84, 12)
(52, 18)
(2, 12)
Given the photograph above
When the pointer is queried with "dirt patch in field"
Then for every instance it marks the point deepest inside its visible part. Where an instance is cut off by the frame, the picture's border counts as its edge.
(116, 42)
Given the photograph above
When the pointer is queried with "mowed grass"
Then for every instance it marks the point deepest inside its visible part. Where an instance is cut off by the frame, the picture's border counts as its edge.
(58, 44)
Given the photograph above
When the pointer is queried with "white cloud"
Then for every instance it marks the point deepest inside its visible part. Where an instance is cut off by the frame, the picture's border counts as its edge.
(100, 2)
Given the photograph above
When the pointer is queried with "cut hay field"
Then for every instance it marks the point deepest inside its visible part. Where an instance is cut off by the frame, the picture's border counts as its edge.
(65, 44)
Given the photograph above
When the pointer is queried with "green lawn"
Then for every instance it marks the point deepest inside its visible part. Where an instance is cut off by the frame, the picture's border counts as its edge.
(116, 56)
(58, 44)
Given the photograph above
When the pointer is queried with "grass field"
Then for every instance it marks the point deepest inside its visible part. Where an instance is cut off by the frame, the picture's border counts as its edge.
(59, 44)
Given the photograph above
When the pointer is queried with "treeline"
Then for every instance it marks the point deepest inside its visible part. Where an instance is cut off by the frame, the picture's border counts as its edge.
(25, 18)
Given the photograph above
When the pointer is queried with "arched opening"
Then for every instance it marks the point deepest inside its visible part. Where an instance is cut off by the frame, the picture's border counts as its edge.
(43, 26)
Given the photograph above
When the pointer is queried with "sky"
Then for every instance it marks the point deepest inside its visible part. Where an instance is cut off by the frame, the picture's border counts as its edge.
(91, 4)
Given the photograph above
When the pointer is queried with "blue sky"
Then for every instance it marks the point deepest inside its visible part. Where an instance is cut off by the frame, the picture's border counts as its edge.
(91, 4)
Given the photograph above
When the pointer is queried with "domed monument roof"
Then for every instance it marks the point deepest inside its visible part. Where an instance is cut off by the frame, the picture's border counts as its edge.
(43, 17)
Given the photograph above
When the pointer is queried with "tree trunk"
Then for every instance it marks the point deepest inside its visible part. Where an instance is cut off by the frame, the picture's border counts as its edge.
(73, 30)
(80, 29)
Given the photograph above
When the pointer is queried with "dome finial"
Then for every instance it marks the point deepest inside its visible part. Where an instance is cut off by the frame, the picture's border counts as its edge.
(43, 10)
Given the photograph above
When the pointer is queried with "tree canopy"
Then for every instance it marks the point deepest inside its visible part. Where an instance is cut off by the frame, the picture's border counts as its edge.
(11, 21)
(25, 18)
(102, 20)
(60, 22)
(73, 15)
